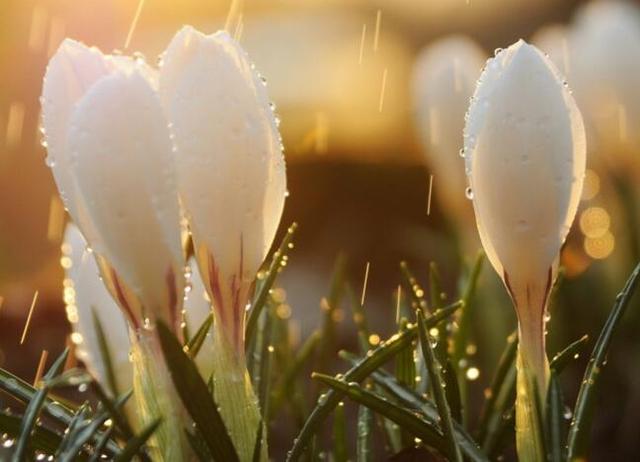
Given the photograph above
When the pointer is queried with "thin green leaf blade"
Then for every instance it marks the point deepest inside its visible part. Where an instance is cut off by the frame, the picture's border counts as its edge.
(585, 404)
(195, 397)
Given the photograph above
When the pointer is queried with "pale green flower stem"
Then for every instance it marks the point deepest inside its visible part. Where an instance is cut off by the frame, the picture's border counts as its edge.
(235, 397)
(532, 380)
(155, 397)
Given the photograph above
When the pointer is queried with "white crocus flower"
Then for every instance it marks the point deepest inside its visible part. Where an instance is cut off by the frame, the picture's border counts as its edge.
(230, 167)
(525, 157)
(605, 70)
(232, 183)
(445, 76)
(110, 152)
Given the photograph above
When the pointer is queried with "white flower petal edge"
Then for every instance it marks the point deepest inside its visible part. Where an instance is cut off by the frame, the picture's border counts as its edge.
(444, 79)
(121, 159)
(230, 166)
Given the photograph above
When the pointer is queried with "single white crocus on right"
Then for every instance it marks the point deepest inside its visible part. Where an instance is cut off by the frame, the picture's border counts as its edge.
(525, 158)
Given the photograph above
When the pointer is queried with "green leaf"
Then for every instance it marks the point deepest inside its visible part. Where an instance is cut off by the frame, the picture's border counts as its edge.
(364, 442)
(400, 415)
(563, 358)
(198, 445)
(100, 446)
(195, 396)
(379, 356)
(264, 369)
(340, 434)
(257, 449)
(437, 387)
(579, 430)
(80, 418)
(42, 439)
(135, 444)
(266, 284)
(554, 420)
(33, 410)
(413, 400)
(195, 342)
(413, 287)
(503, 379)
(105, 354)
(119, 418)
(81, 436)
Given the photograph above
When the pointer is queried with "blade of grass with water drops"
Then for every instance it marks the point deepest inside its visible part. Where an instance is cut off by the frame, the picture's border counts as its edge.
(134, 445)
(263, 287)
(571, 352)
(83, 434)
(101, 444)
(105, 354)
(580, 427)
(377, 357)
(42, 439)
(340, 453)
(412, 400)
(437, 387)
(33, 410)
(555, 420)
(195, 342)
(195, 396)
(502, 378)
(401, 416)
(364, 441)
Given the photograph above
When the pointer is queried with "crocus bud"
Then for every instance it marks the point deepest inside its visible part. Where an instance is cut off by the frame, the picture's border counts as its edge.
(230, 167)
(84, 295)
(445, 76)
(112, 158)
(605, 70)
(525, 158)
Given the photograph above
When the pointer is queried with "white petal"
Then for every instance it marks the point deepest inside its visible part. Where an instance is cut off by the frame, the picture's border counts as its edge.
(73, 69)
(122, 161)
(230, 166)
(90, 295)
(525, 147)
(444, 79)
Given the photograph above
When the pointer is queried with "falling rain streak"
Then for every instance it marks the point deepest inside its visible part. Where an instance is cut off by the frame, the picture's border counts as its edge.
(40, 369)
(28, 322)
(362, 40)
(134, 24)
(15, 123)
(364, 284)
(430, 194)
(382, 90)
(376, 37)
(37, 28)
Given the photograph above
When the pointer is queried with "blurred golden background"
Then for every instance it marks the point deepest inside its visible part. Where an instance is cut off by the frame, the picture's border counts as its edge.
(340, 73)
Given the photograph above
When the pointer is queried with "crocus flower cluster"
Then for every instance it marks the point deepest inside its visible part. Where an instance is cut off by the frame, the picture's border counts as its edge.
(140, 155)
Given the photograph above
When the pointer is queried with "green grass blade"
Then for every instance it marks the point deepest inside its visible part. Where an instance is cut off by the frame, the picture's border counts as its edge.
(379, 356)
(105, 354)
(135, 444)
(198, 445)
(83, 434)
(401, 416)
(555, 422)
(579, 431)
(340, 453)
(257, 448)
(42, 439)
(413, 400)
(571, 352)
(360, 320)
(195, 342)
(265, 366)
(491, 413)
(364, 442)
(418, 299)
(330, 305)
(266, 284)
(195, 397)
(437, 387)
(79, 418)
(100, 446)
(33, 409)
(435, 286)
(119, 418)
